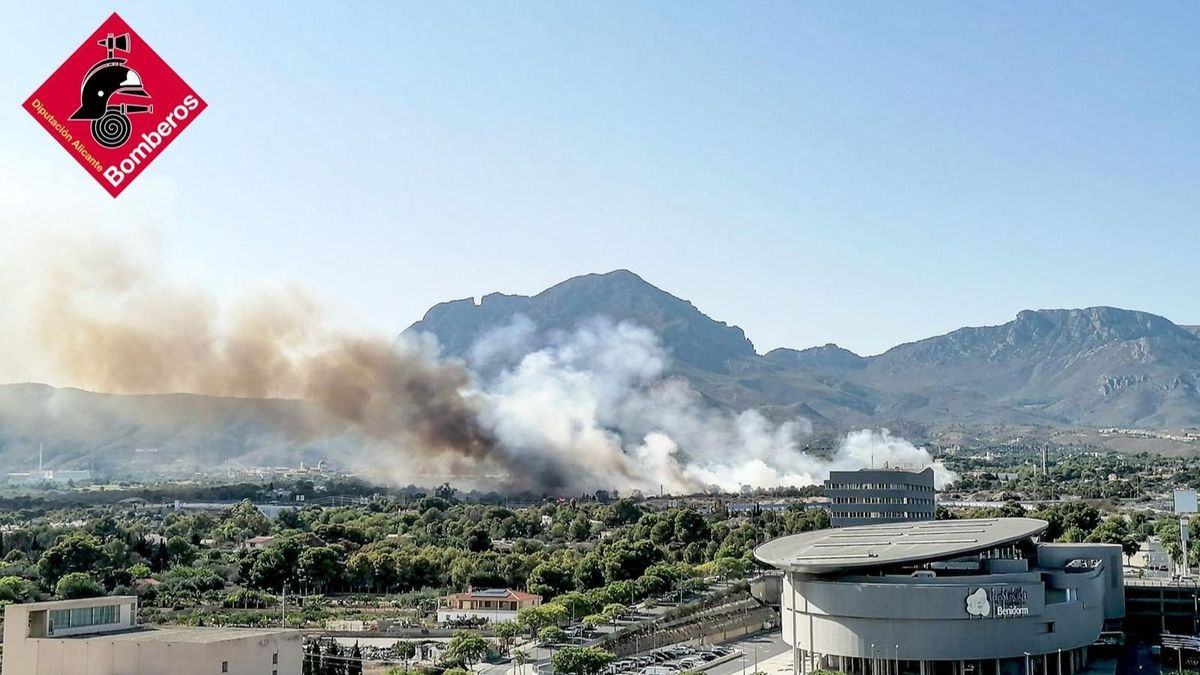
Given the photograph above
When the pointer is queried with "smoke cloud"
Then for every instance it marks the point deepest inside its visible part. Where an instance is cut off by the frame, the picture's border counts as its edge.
(99, 316)
(595, 408)
(592, 408)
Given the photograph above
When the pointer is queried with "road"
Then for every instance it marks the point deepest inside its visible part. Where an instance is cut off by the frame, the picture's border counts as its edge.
(765, 645)
(1136, 660)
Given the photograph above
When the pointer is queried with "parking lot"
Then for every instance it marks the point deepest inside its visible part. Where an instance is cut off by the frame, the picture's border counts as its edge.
(670, 660)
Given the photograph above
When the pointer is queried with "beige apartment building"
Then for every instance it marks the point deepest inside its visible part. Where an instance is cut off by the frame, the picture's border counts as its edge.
(100, 636)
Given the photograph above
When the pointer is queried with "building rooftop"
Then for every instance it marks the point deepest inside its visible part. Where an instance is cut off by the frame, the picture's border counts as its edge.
(493, 594)
(201, 635)
(79, 603)
(864, 547)
(893, 469)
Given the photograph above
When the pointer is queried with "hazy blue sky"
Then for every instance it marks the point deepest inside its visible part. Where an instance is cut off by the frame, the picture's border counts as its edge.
(859, 173)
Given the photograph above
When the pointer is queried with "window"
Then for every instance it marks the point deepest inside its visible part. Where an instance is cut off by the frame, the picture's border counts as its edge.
(224, 666)
(62, 619)
(275, 658)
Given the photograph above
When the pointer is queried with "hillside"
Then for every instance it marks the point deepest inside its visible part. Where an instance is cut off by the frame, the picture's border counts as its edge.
(694, 338)
(1045, 369)
(176, 432)
(1094, 366)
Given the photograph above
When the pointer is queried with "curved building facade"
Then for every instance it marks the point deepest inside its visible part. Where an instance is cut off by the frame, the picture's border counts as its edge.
(958, 597)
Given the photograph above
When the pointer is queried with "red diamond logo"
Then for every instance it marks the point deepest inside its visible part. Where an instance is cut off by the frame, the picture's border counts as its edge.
(115, 105)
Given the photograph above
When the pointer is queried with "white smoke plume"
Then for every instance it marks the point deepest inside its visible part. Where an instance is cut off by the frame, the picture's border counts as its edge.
(594, 409)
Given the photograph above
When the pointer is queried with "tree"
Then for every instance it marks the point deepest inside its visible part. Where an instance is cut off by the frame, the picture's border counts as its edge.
(690, 527)
(270, 569)
(354, 666)
(320, 566)
(1081, 516)
(520, 658)
(589, 571)
(77, 585)
(16, 589)
(1072, 535)
(555, 613)
(593, 620)
(78, 552)
(360, 571)
(627, 560)
(731, 568)
(242, 522)
(406, 649)
(1167, 530)
(1114, 530)
(613, 611)
(181, 551)
(551, 635)
(466, 648)
(581, 660)
(533, 618)
(626, 512)
(139, 571)
(550, 579)
(576, 603)
(506, 631)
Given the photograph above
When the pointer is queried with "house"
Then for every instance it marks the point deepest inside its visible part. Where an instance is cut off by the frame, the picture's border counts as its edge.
(101, 636)
(260, 541)
(491, 605)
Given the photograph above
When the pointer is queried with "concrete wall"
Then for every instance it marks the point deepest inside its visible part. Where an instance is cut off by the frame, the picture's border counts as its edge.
(99, 656)
(928, 618)
(1110, 555)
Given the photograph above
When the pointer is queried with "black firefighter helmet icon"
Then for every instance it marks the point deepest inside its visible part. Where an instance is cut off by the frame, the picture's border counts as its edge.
(110, 122)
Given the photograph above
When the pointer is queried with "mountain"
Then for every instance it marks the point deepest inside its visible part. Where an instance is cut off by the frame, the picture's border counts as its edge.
(1096, 366)
(1045, 370)
(177, 432)
(694, 338)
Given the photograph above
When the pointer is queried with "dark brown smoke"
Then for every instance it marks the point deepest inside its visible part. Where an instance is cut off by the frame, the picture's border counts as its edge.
(110, 324)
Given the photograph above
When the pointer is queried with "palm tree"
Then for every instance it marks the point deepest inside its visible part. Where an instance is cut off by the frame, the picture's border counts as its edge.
(520, 658)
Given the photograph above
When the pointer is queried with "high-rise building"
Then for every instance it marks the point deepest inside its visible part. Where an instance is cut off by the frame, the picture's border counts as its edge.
(880, 496)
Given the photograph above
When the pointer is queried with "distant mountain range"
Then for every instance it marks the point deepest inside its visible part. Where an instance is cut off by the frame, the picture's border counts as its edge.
(1045, 369)
(1099, 366)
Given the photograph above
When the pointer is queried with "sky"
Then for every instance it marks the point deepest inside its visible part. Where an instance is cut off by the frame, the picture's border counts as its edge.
(859, 173)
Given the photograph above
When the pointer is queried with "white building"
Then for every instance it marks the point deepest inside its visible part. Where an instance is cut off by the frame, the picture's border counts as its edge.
(491, 605)
(100, 636)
